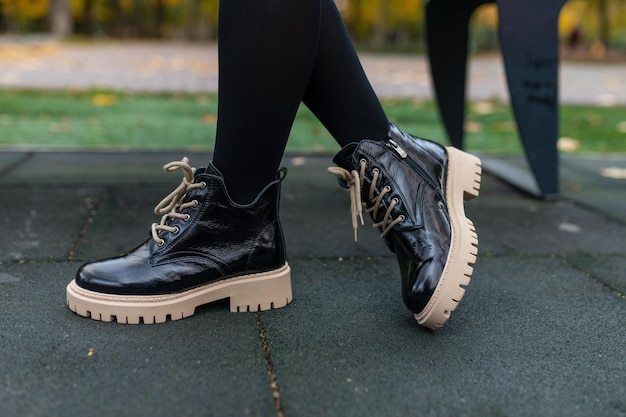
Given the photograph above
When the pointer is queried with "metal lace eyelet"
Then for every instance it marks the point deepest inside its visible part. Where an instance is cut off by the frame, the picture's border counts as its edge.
(395, 200)
(388, 188)
(375, 171)
(203, 184)
(187, 217)
(160, 243)
(195, 203)
(402, 217)
(363, 160)
(175, 231)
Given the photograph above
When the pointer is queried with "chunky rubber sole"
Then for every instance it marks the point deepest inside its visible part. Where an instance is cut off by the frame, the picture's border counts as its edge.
(255, 292)
(462, 184)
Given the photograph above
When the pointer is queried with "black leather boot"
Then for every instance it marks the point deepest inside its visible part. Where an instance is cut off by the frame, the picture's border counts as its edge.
(205, 248)
(414, 190)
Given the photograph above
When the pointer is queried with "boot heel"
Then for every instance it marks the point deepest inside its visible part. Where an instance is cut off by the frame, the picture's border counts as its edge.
(467, 172)
(262, 292)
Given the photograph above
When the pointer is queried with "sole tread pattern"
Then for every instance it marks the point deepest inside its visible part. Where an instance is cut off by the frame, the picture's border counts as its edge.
(463, 184)
(248, 293)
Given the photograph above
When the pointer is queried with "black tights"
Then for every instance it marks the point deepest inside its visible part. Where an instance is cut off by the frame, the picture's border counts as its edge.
(274, 54)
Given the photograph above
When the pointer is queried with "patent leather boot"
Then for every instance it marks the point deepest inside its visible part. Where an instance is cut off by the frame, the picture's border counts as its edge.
(414, 191)
(205, 248)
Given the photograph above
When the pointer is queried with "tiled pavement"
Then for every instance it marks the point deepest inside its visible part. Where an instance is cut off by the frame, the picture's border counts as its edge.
(540, 332)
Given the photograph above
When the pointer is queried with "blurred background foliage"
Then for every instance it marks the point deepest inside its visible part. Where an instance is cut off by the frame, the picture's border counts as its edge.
(588, 28)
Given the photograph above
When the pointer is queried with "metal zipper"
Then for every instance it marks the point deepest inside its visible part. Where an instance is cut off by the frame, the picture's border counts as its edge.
(395, 147)
(391, 144)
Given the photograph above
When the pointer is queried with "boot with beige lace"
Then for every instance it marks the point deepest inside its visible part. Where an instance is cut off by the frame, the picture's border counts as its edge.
(205, 248)
(414, 190)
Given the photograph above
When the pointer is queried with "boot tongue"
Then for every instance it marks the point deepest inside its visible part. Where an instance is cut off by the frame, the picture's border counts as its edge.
(344, 157)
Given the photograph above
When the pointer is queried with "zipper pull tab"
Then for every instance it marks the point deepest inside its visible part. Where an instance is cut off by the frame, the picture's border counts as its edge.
(397, 149)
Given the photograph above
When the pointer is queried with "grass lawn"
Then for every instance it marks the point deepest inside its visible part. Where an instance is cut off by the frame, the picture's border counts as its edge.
(113, 120)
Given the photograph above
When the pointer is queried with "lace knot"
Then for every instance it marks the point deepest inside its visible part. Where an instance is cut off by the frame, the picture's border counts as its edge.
(355, 180)
(172, 204)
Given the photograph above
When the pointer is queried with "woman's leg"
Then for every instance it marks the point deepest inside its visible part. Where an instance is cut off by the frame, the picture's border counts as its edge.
(266, 52)
(338, 92)
(273, 54)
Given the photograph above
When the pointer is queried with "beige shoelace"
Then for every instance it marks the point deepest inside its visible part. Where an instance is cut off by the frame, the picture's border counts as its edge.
(355, 179)
(170, 206)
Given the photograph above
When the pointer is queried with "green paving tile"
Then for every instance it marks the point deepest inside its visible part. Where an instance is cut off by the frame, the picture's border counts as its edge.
(540, 339)
(315, 213)
(208, 365)
(608, 269)
(43, 222)
(527, 226)
(122, 221)
(10, 159)
(597, 183)
(99, 168)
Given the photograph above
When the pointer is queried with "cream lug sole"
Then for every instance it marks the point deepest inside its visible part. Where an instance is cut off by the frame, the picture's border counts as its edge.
(463, 184)
(255, 292)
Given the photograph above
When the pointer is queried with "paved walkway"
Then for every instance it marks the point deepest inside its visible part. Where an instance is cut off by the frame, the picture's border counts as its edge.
(540, 332)
(146, 66)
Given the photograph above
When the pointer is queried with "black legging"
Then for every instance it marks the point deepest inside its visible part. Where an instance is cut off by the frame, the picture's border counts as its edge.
(274, 54)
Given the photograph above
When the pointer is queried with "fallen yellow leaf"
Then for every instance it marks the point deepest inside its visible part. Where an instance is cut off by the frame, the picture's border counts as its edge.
(568, 144)
(103, 100)
(473, 127)
(483, 107)
(507, 126)
(209, 118)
